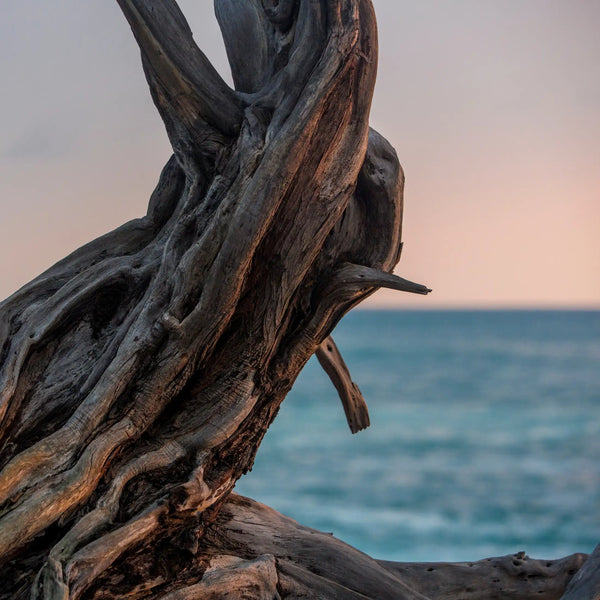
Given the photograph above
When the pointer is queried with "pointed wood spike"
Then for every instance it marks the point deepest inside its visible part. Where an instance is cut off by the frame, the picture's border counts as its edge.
(355, 407)
(368, 277)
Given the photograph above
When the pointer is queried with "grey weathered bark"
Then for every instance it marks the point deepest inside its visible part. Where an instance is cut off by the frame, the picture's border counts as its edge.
(586, 584)
(311, 564)
(139, 375)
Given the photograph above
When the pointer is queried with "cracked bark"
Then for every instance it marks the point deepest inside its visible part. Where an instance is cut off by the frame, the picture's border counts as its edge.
(139, 374)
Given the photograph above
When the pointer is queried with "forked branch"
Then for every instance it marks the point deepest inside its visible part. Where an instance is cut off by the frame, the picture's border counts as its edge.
(199, 109)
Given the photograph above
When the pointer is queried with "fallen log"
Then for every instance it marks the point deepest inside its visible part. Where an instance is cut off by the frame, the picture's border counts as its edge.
(251, 551)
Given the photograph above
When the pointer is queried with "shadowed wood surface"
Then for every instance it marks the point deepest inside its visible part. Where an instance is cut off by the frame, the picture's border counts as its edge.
(586, 584)
(139, 375)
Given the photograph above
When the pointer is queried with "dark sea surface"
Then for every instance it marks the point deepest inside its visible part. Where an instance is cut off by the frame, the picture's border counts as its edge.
(484, 438)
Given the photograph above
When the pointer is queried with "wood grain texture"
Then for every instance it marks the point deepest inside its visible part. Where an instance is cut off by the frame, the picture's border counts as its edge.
(355, 407)
(312, 564)
(139, 375)
(586, 583)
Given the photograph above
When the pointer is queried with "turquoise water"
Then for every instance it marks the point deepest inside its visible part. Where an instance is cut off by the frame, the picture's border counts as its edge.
(484, 438)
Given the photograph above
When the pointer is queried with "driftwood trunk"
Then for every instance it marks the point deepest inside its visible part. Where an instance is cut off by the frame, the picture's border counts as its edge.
(139, 374)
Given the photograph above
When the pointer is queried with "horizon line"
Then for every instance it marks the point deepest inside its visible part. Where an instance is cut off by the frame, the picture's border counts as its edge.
(481, 307)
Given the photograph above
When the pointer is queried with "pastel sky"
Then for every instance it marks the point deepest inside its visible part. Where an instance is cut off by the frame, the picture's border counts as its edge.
(493, 107)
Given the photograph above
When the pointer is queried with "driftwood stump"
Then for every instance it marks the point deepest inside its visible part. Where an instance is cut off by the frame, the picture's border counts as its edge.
(139, 374)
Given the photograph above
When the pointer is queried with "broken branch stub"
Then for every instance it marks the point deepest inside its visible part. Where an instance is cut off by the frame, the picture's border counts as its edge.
(352, 399)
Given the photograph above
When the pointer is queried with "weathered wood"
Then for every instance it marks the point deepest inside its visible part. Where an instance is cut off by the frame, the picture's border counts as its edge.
(233, 578)
(586, 583)
(201, 113)
(311, 564)
(513, 577)
(139, 375)
(355, 407)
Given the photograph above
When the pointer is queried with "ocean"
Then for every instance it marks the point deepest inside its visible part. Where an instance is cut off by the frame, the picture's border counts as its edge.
(484, 437)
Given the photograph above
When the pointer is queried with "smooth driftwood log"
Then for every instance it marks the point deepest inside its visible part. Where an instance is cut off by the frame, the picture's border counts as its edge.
(138, 375)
